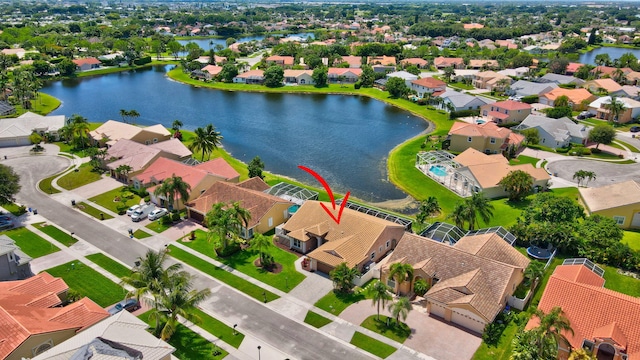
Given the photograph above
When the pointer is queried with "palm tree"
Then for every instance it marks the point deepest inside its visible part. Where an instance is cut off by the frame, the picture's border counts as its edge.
(428, 208)
(134, 114)
(80, 127)
(124, 170)
(342, 276)
(589, 175)
(459, 215)
(476, 205)
(534, 271)
(176, 125)
(149, 274)
(201, 143)
(242, 215)
(177, 189)
(616, 107)
(125, 114)
(619, 76)
(379, 294)
(262, 244)
(400, 273)
(214, 137)
(226, 222)
(448, 73)
(400, 308)
(550, 331)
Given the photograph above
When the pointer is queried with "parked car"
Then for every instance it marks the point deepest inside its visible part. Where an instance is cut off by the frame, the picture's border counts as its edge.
(127, 304)
(132, 209)
(142, 213)
(6, 224)
(635, 129)
(157, 213)
(585, 115)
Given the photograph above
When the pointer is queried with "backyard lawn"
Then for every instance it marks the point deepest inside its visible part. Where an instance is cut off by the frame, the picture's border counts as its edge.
(316, 320)
(107, 200)
(395, 332)
(632, 238)
(619, 282)
(110, 265)
(30, 243)
(83, 176)
(224, 276)
(57, 234)
(372, 345)
(89, 282)
(243, 261)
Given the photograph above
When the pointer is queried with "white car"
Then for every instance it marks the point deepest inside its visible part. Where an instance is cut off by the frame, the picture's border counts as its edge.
(157, 213)
(133, 209)
(142, 213)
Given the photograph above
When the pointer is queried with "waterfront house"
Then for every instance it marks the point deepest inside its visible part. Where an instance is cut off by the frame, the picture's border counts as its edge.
(353, 61)
(346, 75)
(556, 133)
(505, 112)
(458, 101)
(284, 61)
(406, 76)
(300, 77)
(428, 85)
(528, 88)
(619, 201)
(255, 77)
(488, 138)
(111, 131)
(85, 64)
(212, 70)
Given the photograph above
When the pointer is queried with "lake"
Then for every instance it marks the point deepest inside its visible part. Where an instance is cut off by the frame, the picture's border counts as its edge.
(205, 44)
(614, 53)
(346, 139)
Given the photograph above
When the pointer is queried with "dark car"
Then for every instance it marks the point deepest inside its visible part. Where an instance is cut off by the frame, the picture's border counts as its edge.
(635, 129)
(126, 304)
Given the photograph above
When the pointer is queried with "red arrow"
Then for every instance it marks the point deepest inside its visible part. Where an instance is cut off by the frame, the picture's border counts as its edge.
(331, 197)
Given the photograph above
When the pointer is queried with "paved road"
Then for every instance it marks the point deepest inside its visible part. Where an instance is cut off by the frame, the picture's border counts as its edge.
(252, 317)
(606, 172)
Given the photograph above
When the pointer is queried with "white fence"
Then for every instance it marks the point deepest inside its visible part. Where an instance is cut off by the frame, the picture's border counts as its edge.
(372, 273)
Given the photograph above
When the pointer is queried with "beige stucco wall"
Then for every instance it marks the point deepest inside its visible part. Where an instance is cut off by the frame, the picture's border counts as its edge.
(627, 211)
(460, 143)
(277, 213)
(25, 350)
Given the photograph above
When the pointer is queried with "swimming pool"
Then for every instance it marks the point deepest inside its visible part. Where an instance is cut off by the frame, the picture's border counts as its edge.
(292, 210)
(480, 121)
(438, 170)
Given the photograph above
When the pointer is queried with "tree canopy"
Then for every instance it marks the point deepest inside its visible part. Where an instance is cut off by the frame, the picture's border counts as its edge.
(9, 184)
(518, 184)
(602, 134)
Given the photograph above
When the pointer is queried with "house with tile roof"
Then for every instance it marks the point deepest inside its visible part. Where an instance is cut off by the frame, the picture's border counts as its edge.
(470, 281)
(488, 138)
(250, 77)
(212, 70)
(560, 79)
(359, 239)
(490, 80)
(301, 77)
(34, 316)
(572, 68)
(442, 62)
(428, 85)
(85, 64)
(267, 211)
(14, 263)
(630, 112)
(284, 61)
(528, 88)
(138, 156)
(354, 61)
(348, 75)
(200, 177)
(122, 336)
(579, 99)
(458, 101)
(606, 85)
(381, 60)
(605, 322)
(406, 76)
(419, 62)
(619, 201)
(16, 131)
(506, 112)
(556, 133)
(111, 131)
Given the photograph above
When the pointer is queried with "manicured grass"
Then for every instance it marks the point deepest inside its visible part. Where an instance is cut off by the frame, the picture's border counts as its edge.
(30, 243)
(619, 282)
(372, 345)
(243, 261)
(395, 332)
(632, 238)
(85, 175)
(45, 185)
(316, 320)
(109, 264)
(228, 278)
(218, 329)
(502, 350)
(139, 234)
(14, 209)
(96, 213)
(89, 282)
(335, 302)
(189, 345)
(459, 85)
(523, 159)
(106, 200)
(59, 235)
(158, 226)
(43, 105)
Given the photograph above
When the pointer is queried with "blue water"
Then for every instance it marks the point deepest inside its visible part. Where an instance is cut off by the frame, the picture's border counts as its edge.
(438, 170)
(206, 44)
(293, 209)
(614, 53)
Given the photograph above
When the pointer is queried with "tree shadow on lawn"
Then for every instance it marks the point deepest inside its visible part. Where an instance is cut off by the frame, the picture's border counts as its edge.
(521, 204)
(401, 330)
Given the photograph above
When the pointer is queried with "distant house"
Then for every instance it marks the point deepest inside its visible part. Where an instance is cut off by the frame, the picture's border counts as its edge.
(111, 131)
(250, 77)
(619, 201)
(284, 61)
(528, 88)
(359, 239)
(381, 60)
(347, 75)
(578, 98)
(85, 64)
(428, 85)
(560, 79)
(472, 26)
(509, 43)
(607, 85)
(300, 77)
(19, 52)
(406, 76)
(267, 211)
(491, 80)
(353, 61)
(16, 131)
(572, 68)
(487, 64)
(419, 62)
(604, 322)
(630, 112)
(443, 62)
(460, 101)
(506, 112)
(212, 70)
(14, 263)
(556, 133)
(488, 138)
(35, 316)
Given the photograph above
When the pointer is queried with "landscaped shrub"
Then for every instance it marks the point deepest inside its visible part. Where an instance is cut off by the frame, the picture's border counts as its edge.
(563, 150)
(166, 220)
(175, 216)
(530, 99)
(357, 85)
(231, 249)
(142, 60)
(463, 113)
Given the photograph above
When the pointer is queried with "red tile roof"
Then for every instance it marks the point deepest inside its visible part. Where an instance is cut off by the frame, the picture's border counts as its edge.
(511, 105)
(415, 61)
(342, 71)
(285, 60)
(593, 311)
(163, 168)
(498, 115)
(219, 166)
(430, 82)
(89, 61)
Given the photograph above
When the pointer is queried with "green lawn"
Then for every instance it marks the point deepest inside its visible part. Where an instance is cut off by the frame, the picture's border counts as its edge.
(83, 176)
(632, 238)
(335, 302)
(316, 320)
(106, 200)
(243, 261)
(30, 243)
(523, 159)
(139, 234)
(395, 332)
(59, 235)
(89, 282)
(502, 350)
(88, 209)
(43, 105)
(109, 264)
(188, 344)
(219, 329)
(45, 185)
(372, 345)
(15, 209)
(619, 282)
(158, 226)
(228, 278)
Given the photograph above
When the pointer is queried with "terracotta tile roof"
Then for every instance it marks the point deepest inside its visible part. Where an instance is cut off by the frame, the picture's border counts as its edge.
(251, 73)
(479, 63)
(608, 84)
(489, 175)
(255, 183)
(163, 168)
(351, 241)
(498, 115)
(212, 69)
(131, 153)
(296, 73)
(573, 67)
(430, 83)
(472, 273)
(576, 96)
(256, 202)
(285, 60)
(593, 311)
(172, 146)
(443, 61)
(511, 105)
(40, 284)
(382, 60)
(611, 196)
(341, 71)
(486, 130)
(579, 273)
(89, 61)
(415, 61)
(472, 156)
(83, 313)
(472, 26)
(220, 167)
(352, 60)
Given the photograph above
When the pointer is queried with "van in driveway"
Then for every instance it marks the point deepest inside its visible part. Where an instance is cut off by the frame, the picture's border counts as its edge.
(142, 213)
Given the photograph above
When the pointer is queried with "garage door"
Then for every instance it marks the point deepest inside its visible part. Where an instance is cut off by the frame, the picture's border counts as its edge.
(437, 310)
(14, 142)
(635, 222)
(467, 322)
(323, 268)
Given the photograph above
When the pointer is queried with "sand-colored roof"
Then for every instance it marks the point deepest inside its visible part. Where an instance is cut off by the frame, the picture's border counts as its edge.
(116, 130)
(473, 272)
(472, 156)
(443, 61)
(475, 63)
(415, 61)
(576, 96)
(611, 196)
(251, 73)
(382, 60)
(212, 69)
(608, 84)
(296, 73)
(430, 83)
(255, 183)
(351, 241)
(286, 60)
(131, 153)
(332, 71)
(593, 311)
(486, 130)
